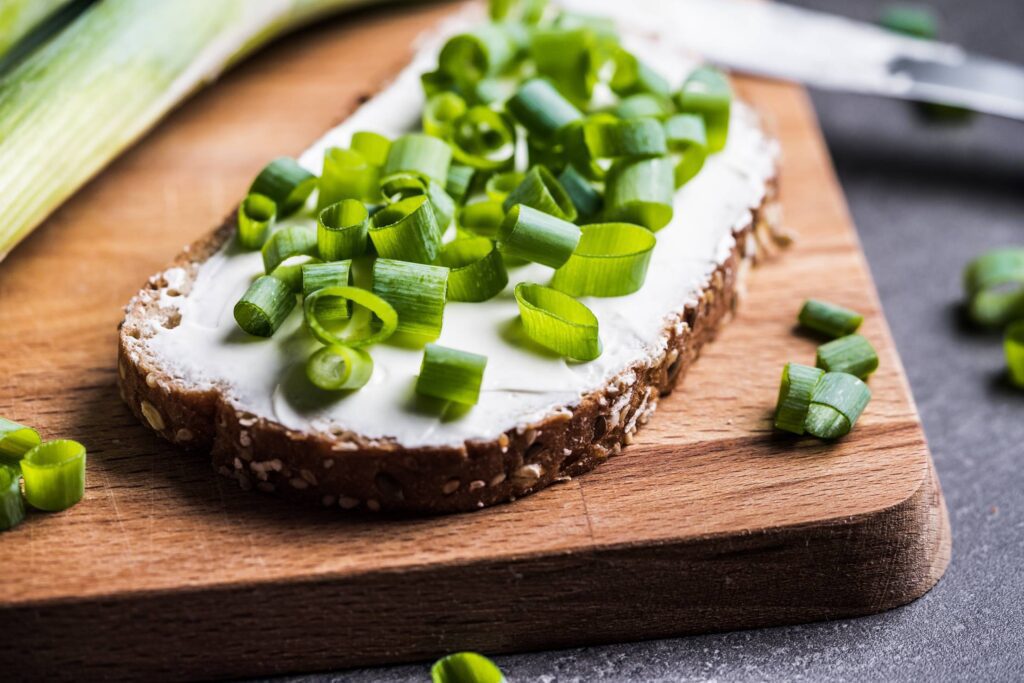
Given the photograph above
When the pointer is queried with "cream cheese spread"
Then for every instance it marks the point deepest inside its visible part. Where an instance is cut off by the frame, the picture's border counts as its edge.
(522, 383)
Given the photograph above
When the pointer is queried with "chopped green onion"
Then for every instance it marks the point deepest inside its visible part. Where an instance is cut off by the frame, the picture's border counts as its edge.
(404, 185)
(291, 272)
(459, 180)
(564, 57)
(341, 230)
(12, 505)
(687, 139)
(331, 304)
(417, 292)
(255, 214)
(441, 112)
(319, 275)
(16, 440)
(465, 667)
(537, 236)
(476, 269)
(611, 260)
(54, 473)
(828, 318)
(542, 110)
(541, 191)
(483, 139)
(484, 51)
(575, 148)
(795, 390)
(919, 22)
(482, 218)
(424, 155)
(642, 105)
(837, 401)
(707, 92)
(407, 230)
(633, 76)
(994, 284)
(264, 306)
(641, 192)
(373, 146)
(286, 183)
(557, 321)
(450, 374)
(347, 174)
(585, 198)
(629, 138)
(852, 354)
(337, 367)
(1013, 344)
(499, 185)
(288, 242)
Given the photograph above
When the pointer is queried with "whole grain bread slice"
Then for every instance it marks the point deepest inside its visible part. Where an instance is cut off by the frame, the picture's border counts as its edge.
(345, 469)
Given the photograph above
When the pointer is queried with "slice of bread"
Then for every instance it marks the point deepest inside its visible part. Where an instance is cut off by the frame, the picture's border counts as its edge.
(335, 464)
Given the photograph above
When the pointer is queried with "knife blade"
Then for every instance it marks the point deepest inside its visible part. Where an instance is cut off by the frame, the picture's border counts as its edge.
(826, 51)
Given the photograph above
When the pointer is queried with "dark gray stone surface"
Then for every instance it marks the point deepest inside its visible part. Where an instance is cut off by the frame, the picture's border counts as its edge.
(925, 200)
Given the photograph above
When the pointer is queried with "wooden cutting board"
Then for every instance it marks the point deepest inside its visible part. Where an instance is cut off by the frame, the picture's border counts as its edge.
(709, 521)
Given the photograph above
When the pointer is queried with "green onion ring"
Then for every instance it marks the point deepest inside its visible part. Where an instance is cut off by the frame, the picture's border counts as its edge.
(629, 138)
(585, 198)
(540, 190)
(837, 401)
(482, 218)
(424, 155)
(286, 183)
(316, 276)
(852, 354)
(643, 105)
(341, 230)
(465, 667)
(441, 112)
(373, 146)
(294, 240)
(564, 57)
(610, 260)
(641, 192)
(459, 180)
(994, 284)
(12, 505)
(290, 272)
(417, 292)
(338, 367)
(264, 306)
(54, 473)
(499, 185)
(324, 305)
(542, 110)
(347, 174)
(557, 321)
(472, 56)
(707, 92)
(476, 269)
(1013, 345)
(483, 139)
(16, 440)
(401, 186)
(576, 150)
(407, 231)
(828, 318)
(451, 374)
(255, 215)
(633, 76)
(687, 139)
(795, 390)
(536, 236)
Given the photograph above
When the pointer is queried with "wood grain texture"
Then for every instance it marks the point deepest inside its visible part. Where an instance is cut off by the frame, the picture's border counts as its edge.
(708, 521)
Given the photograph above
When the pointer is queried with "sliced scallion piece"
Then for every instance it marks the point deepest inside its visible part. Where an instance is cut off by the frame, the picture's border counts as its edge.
(286, 183)
(634, 76)
(542, 110)
(537, 236)
(557, 321)
(795, 390)
(482, 52)
(828, 318)
(476, 269)
(459, 180)
(416, 292)
(707, 92)
(16, 440)
(12, 505)
(347, 174)
(424, 155)
(610, 260)
(404, 185)
(643, 105)
(441, 112)
(541, 191)
(1013, 345)
(407, 230)
(465, 667)
(450, 374)
(994, 284)
(319, 275)
(852, 354)
(483, 139)
(264, 306)
(687, 139)
(641, 192)
(294, 240)
(563, 56)
(54, 473)
(341, 230)
(629, 138)
(577, 152)
(373, 146)
(255, 214)
(585, 198)
(338, 367)
(331, 304)
(290, 272)
(837, 401)
(482, 218)
(499, 185)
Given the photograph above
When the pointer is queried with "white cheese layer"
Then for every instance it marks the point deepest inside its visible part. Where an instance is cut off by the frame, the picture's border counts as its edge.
(522, 382)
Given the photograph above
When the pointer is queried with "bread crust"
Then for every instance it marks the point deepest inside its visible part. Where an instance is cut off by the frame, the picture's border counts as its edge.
(348, 470)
